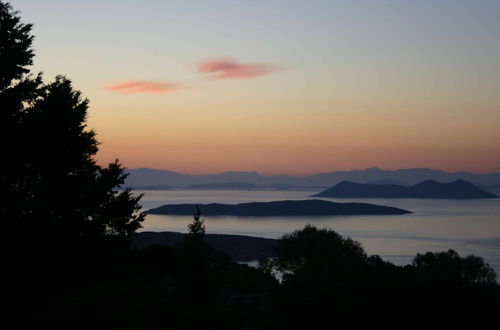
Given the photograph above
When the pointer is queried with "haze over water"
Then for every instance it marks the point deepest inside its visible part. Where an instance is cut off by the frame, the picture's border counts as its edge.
(467, 226)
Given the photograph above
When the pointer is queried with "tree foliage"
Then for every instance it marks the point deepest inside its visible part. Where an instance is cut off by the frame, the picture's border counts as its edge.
(196, 229)
(304, 246)
(16, 53)
(448, 267)
(52, 191)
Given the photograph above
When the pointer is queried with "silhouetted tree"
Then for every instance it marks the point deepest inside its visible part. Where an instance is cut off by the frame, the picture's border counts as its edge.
(296, 249)
(18, 90)
(16, 53)
(196, 229)
(55, 199)
(448, 267)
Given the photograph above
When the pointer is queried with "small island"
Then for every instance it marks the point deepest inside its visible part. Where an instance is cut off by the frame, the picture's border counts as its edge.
(459, 189)
(313, 207)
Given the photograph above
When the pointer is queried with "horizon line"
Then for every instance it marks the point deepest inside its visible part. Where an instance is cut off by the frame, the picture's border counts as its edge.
(317, 173)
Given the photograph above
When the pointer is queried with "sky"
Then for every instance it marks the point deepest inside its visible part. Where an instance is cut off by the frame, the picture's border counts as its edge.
(281, 87)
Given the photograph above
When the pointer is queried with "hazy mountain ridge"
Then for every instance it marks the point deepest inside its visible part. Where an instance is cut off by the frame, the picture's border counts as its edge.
(145, 177)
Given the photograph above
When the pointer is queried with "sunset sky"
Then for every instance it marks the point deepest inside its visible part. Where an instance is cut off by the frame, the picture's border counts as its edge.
(288, 87)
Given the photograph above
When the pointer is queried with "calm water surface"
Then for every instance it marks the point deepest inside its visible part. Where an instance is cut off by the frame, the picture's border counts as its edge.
(467, 226)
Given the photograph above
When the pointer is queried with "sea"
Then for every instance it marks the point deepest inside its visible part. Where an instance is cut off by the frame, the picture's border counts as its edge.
(466, 226)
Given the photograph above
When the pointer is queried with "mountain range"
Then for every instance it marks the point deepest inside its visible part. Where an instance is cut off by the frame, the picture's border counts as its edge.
(146, 178)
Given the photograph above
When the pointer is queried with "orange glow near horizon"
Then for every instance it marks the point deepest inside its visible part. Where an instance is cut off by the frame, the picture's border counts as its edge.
(298, 146)
(212, 160)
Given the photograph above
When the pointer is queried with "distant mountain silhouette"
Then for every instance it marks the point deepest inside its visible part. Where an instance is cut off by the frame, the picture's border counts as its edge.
(279, 208)
(427, 189)
(228, 186)
(149, 177)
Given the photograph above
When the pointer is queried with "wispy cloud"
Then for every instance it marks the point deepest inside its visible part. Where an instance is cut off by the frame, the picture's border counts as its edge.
(139, 86)
(230, 68)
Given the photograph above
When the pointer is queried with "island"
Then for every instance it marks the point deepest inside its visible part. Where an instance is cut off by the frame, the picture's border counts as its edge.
(312, 207)
(459, 189)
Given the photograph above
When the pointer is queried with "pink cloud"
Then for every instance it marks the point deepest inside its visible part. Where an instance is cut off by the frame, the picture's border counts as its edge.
(137, 86)
(230, 68)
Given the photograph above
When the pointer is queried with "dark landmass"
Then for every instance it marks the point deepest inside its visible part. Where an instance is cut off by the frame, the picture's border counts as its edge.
(141, 177)
(428, 189)
(279, 208)
(237, 247)
(388, 181)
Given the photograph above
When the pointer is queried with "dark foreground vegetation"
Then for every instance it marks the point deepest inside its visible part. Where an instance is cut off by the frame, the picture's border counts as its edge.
(67, 229)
